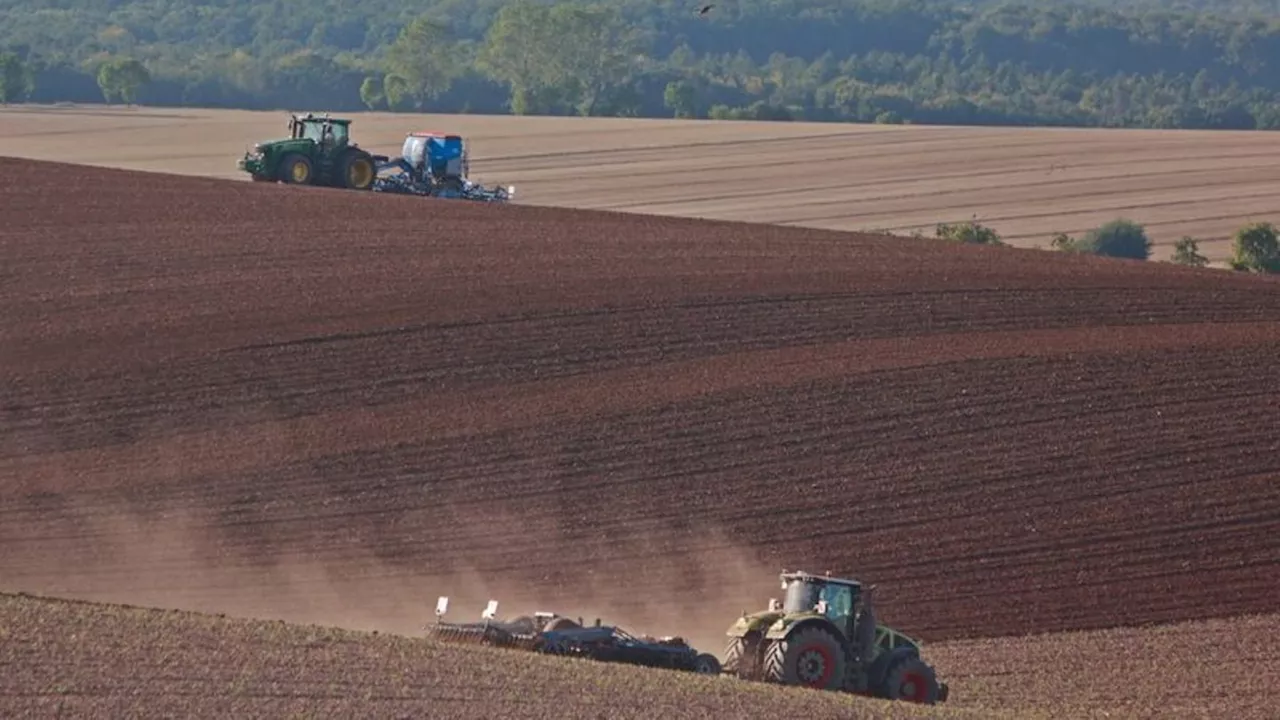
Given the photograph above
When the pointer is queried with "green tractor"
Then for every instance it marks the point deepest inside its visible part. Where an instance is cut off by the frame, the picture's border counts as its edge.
(318, 151)
(824, 635)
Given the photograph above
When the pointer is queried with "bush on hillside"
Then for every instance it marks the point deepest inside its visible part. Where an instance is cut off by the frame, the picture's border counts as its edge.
(1118, 239)
(969, 233)
(1256, 249)
(1187, 252)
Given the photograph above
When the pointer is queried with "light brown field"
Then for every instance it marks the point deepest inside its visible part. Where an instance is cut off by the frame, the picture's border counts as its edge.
(1027, 183)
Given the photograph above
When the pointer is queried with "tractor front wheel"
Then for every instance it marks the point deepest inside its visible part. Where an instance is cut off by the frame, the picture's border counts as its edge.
(296, 169)
(912, 680)
(812, 657)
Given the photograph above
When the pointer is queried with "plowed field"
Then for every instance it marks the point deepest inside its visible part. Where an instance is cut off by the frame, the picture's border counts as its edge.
(62, 659)
(70, 659)
(1027, 183)
(325, 406)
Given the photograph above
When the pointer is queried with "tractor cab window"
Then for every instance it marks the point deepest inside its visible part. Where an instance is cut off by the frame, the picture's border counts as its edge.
(321, 132)
(839, 603)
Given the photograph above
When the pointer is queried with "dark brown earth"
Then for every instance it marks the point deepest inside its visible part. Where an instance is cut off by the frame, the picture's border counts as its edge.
(326, 406)
(69, 659)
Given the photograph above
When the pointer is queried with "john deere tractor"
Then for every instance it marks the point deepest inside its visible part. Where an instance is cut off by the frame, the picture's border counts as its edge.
(824, 635)
(318, 151)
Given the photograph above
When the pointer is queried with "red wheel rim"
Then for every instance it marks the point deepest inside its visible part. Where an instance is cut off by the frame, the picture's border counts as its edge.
(914, 687)
(825, 657)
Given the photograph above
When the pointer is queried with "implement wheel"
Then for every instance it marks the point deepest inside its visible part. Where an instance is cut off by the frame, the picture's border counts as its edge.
(706, 664)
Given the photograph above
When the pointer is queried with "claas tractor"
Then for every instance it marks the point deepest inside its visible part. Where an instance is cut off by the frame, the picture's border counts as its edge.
(436, 165)
(824, 635)
(318, 151)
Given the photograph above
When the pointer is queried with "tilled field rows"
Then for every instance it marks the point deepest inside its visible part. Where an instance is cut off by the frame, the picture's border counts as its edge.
(274, 412)
(1028, 183)
(80, 659)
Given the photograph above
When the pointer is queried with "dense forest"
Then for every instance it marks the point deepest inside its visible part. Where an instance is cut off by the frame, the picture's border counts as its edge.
(1182, 63)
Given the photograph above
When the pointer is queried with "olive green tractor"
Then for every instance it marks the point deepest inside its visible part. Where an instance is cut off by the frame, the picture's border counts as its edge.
(318, 151)
(824, 635)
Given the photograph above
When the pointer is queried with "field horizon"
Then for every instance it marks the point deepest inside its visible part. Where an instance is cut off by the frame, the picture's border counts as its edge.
(1028, 183)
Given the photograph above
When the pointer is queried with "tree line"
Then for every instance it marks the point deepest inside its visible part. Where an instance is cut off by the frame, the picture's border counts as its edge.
(1208, 64)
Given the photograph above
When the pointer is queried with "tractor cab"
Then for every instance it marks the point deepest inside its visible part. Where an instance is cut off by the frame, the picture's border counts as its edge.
(324, 131)
(835, 598)
(436, 156)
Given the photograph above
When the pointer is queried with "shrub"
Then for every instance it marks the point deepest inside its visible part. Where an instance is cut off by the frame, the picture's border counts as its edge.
(1187, 252)
(1063, 243)
(1119, 239)
(1256, 249)
(969, 233)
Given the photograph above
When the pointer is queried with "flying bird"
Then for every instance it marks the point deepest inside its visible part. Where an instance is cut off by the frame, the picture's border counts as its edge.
(706, 8)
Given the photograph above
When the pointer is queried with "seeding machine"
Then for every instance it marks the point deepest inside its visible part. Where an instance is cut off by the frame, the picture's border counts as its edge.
(823, 635)
(320, 151)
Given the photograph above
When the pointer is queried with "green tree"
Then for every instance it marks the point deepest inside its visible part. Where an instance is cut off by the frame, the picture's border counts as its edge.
(426, 57)
(122, 78)
(1119, 239)
(1187, 252)
(681, 98)
(598, 51)
(16, 79)
(1256, 249)
(371, 93)
(519, 52)
(969, 233)
(396, 90)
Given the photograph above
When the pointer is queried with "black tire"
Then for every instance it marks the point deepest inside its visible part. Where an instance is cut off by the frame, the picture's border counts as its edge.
(812, 658)
(911, 679)
(289, 173)
(733, 655)
(706, 664)
(744, 657)
(357, 171)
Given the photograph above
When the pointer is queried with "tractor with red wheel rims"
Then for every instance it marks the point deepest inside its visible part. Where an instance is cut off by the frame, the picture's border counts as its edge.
(824, 635)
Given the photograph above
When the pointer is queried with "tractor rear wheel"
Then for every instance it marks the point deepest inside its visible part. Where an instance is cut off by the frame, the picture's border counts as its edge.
(357, 171)
(812, 657)
(912, 680)
(296, 169)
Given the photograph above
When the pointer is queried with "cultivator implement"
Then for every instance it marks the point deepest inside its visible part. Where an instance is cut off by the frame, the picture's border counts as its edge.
(522, 633)
(553, 634)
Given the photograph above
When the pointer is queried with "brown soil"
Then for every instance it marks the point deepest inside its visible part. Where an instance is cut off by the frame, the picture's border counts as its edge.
(1028, 183)
(65, 659)
(326, 406)
(1206, 669)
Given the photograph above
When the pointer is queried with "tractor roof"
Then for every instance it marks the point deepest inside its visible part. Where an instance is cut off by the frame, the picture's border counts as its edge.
(313, 117)
(802, 575)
